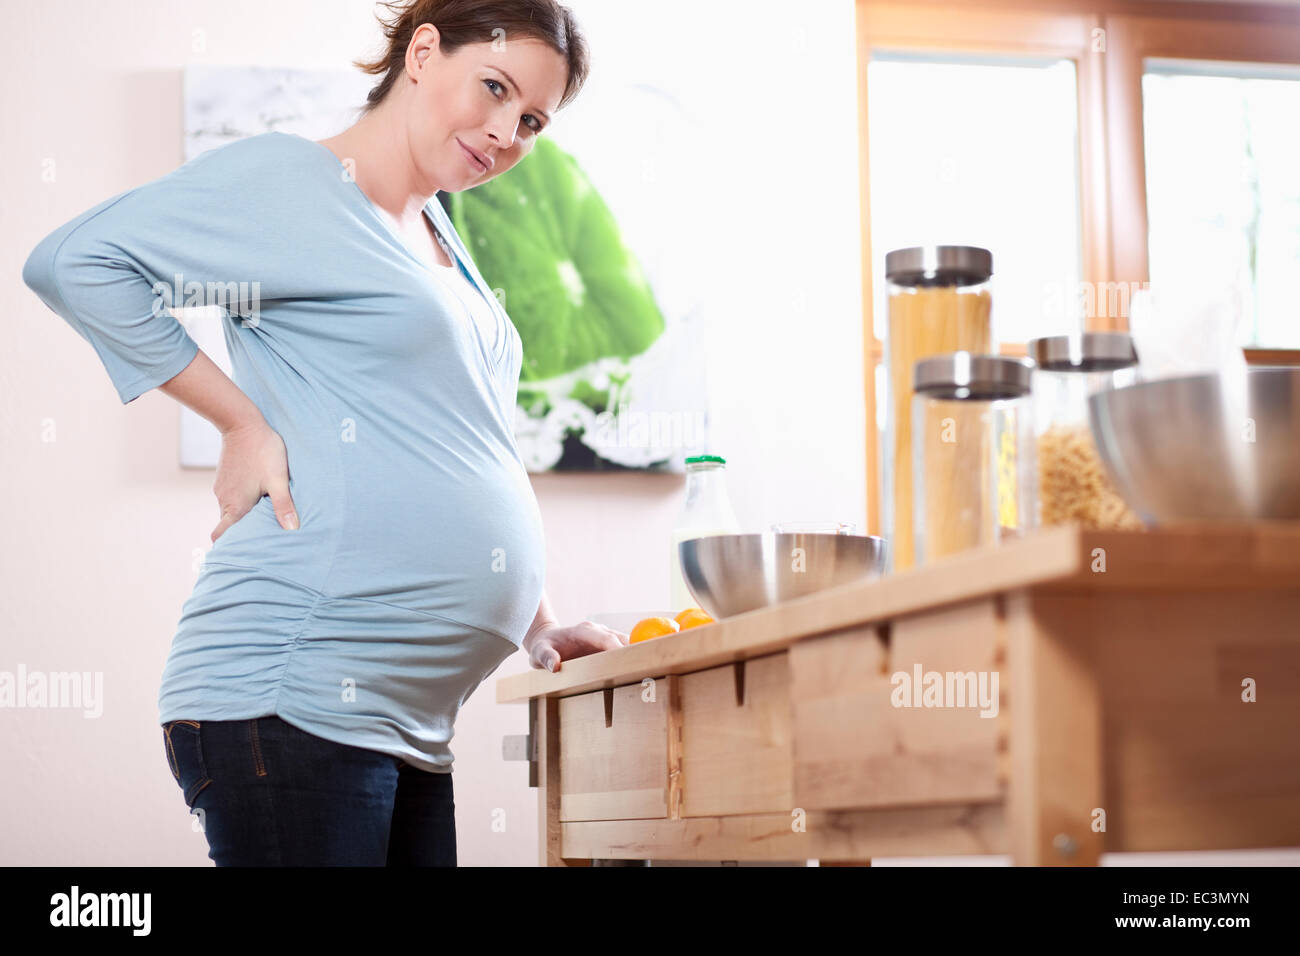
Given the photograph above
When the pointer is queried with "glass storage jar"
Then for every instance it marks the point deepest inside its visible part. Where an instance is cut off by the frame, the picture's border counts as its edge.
(939, 302)
(1072, 483)
(973, 452)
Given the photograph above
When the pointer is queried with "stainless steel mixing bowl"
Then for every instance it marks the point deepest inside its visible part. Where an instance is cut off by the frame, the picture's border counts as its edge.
(734, 573)
(1183, 449)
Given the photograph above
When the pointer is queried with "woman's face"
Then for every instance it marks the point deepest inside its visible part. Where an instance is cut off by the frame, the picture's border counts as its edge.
(493, 99)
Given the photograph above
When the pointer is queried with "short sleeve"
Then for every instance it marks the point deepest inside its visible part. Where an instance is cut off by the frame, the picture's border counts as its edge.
(198, 235)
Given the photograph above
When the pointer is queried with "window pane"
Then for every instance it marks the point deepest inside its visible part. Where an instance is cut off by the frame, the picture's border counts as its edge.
(1223, 189)
(983, 153)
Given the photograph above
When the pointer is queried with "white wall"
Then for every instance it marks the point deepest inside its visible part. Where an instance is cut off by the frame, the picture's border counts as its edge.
(101, 525)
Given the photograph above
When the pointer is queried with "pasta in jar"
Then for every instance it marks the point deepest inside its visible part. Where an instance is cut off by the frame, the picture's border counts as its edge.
(939, 303)
(1073, 486)
(1072, 483)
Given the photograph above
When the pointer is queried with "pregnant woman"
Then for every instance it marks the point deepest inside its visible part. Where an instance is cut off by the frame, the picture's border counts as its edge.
(379, 551)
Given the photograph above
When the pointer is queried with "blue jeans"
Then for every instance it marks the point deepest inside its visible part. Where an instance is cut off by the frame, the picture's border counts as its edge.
(269, 794)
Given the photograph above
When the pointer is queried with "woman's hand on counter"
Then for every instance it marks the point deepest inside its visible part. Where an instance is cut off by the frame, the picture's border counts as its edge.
(553, 643)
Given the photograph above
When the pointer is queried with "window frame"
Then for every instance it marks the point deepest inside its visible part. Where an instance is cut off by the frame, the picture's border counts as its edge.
(1108, 43)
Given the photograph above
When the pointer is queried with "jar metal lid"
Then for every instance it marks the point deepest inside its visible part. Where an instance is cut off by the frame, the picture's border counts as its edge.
(1084, 352)
(963, 375)
(938, 265)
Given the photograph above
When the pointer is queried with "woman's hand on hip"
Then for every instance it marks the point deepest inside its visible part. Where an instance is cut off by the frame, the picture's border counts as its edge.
(253, 463)
(549, 645)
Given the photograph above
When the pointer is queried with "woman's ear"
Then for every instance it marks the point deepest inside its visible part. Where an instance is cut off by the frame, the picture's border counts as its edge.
(425, 40)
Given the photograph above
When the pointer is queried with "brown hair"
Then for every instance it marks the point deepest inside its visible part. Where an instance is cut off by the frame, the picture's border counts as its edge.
(461, 22)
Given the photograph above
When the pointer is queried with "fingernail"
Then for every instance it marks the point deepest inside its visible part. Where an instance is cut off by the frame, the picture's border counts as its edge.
(550, 665)
(291, 521)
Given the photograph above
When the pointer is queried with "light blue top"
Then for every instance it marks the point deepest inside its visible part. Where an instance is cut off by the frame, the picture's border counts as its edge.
(419, 563)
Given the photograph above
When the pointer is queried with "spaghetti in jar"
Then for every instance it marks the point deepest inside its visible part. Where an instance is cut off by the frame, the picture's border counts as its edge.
(939, 303)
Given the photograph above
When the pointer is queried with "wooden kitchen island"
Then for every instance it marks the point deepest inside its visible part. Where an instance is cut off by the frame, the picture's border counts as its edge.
(1147, 698)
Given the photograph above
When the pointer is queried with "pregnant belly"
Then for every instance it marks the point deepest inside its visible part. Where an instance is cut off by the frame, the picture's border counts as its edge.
(469, 548)
(465, 544)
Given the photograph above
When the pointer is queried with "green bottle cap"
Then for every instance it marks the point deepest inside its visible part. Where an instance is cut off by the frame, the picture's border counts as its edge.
(694, 458)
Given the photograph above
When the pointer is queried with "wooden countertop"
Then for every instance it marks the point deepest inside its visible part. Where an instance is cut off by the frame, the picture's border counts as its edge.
(1264, 555)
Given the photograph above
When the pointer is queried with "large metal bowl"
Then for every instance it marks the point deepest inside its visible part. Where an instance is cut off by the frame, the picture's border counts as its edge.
(1183, 449)
(734, 573)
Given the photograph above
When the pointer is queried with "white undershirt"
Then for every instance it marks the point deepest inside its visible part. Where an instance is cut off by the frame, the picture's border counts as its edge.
(469, 296)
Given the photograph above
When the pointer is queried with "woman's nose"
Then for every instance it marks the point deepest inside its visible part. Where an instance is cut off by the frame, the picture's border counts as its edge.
(501, 136)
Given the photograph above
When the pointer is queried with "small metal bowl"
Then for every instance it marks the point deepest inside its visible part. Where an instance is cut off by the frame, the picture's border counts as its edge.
(1181, 449)
(734, 573)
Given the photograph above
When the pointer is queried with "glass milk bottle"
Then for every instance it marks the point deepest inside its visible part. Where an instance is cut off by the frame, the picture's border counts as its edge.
(707, 511)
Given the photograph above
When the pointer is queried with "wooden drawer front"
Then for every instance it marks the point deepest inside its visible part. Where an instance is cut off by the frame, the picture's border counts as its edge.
(854, 748)
(614, 766)
(1189, 763)
(735, 755)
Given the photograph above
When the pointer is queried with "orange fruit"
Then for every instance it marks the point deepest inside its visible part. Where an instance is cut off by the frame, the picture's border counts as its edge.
(652, 627)
(693, 617)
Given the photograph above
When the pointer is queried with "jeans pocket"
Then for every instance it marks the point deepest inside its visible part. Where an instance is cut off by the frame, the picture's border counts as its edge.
(185, 757)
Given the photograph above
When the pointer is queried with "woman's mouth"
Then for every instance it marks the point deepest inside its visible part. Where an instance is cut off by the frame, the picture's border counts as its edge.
(474, 163)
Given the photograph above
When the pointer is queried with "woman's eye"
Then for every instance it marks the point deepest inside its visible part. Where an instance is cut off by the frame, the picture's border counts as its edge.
(533, 123)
